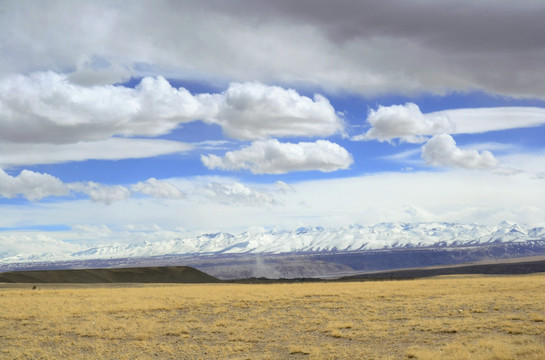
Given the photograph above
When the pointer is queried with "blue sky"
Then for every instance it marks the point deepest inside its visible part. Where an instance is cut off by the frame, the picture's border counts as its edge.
(130, 122)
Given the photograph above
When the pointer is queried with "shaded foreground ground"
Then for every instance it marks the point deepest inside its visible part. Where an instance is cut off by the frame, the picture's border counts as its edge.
(186, 274)
(455, 317)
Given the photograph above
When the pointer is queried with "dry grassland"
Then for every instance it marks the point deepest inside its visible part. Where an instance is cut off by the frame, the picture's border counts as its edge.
(472, 317)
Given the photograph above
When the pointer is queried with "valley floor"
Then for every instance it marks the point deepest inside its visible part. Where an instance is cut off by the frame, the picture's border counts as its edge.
(453, 317)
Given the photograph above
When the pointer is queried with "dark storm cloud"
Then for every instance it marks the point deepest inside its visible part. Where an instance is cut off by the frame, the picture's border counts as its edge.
(367, 47)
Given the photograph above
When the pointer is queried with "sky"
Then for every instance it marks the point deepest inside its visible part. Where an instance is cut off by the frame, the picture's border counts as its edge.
(151, 120)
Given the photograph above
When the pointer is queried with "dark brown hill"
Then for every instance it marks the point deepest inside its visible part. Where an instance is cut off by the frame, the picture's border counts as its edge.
(165, 274)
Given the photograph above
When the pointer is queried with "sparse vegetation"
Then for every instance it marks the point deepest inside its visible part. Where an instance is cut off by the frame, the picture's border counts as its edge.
(461, 317)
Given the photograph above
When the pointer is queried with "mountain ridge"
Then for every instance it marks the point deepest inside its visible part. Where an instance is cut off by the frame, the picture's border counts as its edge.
(313, 239)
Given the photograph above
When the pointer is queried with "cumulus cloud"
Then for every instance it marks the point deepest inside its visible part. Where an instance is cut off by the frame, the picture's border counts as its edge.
(106, 194)
(157, 189)
(48, 108)
(274, 157)
(31, 185)
(441, 150)
(405, 122)
(209, 190)
(35, 186)
(254, 111)
(361, 46)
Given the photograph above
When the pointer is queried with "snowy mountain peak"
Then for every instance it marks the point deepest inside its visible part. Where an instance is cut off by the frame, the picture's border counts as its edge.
(307, 239)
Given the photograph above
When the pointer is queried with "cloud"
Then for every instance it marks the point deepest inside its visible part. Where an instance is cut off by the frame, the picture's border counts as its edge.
(274, 157)
(102, 193)
(108, 194)
(283, 188)
(213, 145)
(96, 231)
(17, 154)
(365, 47)
(405, 122)
(47, 108)
(94, 70)
(532, 163)
(35, 186)
(479, 120)
(437, 196)
(157, 189)
(35, 243)
(210, 190)
(31, 185)
(409, 124)
(254, 111)
(441, 150)
(238, 194)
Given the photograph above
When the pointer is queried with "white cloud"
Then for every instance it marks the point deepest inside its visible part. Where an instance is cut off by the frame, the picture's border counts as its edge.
(408, 123)
(405, 122)
(101, 193)
(274, 157)
(46, 108)
(34, 243)
(157, 189)
(412, 156)
(31, 185)
(230, 191)
(17, 154)
(528, 162)
(254, 111)
(213, 145)
(507, 171)
(397, 197)
(283, 187)
(439, 196)
(93, 70)
(441, 150)
(236, 193)
(108, 194)
(35, 186)
(479, 120)
(96, 231)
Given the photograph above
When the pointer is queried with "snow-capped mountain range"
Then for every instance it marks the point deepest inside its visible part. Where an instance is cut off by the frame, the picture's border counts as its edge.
(309, 239)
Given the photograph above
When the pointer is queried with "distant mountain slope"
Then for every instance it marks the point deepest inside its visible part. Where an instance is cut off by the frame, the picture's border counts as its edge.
(167, 274)
(514, 267)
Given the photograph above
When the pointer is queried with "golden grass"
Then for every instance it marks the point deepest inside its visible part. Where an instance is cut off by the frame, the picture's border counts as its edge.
(473, 317)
